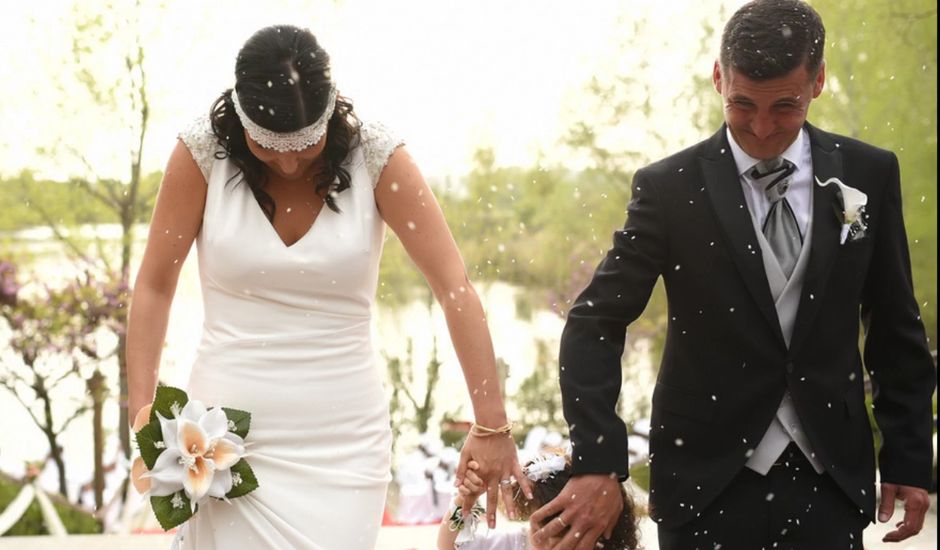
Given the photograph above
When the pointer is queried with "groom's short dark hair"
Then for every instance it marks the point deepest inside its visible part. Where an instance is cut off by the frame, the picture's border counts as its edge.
(767, 39)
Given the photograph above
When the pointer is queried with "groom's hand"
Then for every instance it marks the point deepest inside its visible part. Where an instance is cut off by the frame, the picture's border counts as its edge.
(916, 503)
(585, 509)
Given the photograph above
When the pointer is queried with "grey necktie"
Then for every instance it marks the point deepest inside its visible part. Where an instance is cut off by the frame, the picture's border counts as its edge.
(780, 227)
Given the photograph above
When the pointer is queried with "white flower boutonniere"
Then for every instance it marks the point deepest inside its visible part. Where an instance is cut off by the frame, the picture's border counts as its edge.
(853, 210)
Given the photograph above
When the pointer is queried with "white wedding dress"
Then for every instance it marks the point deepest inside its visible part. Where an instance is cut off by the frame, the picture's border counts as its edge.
(287, 337)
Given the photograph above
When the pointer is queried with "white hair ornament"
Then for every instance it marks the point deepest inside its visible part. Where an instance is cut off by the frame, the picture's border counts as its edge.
(544, 467)
(287, 141)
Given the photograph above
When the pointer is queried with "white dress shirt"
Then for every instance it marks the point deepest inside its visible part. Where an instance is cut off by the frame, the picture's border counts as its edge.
(800, 192)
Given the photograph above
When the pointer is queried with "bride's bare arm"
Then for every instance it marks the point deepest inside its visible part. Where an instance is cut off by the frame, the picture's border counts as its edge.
(408, 206)
(176, 220)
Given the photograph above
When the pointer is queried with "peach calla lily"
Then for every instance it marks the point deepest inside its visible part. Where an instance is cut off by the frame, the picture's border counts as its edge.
(200, 450)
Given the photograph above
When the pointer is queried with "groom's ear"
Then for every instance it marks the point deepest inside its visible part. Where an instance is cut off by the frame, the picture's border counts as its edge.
(716, 76)
(820, 80)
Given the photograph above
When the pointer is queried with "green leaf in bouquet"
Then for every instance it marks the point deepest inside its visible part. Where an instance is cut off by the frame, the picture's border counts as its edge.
(166, 400)
(172, 510)
(243, 480)
(241, 420)
(150, 442)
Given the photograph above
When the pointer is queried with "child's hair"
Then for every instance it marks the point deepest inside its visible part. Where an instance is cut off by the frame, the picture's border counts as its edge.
(624, 536)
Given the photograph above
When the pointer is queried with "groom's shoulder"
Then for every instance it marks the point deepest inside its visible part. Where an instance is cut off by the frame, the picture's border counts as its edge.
(850, 146)
(679, 163)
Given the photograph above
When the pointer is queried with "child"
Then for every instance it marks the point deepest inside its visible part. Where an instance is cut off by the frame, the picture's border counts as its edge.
(548, 472)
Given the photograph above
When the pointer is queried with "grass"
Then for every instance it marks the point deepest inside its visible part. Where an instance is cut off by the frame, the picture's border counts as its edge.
(75, 519)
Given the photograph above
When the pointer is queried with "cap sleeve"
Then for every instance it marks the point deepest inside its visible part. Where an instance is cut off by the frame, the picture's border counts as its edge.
(202, 143)
(378, 144)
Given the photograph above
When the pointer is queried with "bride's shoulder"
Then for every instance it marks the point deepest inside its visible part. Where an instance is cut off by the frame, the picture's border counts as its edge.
(201, 142)
(378, 142)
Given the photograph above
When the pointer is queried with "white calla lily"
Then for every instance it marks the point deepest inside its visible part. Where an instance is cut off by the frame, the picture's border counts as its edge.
(199, 453)
(853, 208)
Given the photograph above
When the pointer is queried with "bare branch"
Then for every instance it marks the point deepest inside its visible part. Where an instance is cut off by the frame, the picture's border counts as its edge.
(78, 412)
(59, 235)
(25, 406)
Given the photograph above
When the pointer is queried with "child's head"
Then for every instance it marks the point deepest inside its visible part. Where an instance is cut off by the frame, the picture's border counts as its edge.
(549, 472)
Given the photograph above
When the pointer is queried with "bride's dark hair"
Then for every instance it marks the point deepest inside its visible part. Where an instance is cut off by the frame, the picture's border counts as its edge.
(284, 70)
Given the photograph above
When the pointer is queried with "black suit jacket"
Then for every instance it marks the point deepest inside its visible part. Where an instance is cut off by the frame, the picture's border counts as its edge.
(725, 366)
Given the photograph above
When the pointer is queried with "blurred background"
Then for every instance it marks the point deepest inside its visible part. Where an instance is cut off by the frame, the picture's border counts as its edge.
(527, 117)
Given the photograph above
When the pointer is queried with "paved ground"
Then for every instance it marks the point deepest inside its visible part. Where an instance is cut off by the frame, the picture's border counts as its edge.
(419, 538)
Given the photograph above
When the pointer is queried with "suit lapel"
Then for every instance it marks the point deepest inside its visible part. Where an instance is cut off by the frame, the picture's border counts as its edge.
(727, 200)
(827, 163)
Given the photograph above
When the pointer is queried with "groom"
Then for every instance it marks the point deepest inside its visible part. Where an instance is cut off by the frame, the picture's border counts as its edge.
(773, 238)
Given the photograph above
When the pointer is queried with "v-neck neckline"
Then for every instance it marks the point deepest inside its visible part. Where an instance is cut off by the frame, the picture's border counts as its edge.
(277, 235)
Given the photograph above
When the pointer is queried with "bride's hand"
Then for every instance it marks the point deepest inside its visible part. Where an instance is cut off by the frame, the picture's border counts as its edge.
(498, 462)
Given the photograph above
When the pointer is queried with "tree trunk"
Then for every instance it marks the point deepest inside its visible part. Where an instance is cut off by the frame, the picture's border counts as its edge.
(127, 244)
(55, 451)
(97, 389)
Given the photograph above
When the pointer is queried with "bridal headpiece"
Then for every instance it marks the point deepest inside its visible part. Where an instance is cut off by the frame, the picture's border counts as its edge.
(283, 142)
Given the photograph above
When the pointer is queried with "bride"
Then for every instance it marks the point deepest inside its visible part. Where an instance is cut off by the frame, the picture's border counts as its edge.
(287, 196)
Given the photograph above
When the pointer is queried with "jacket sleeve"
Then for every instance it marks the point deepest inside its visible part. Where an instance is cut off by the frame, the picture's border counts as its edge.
(898, 360)
(592, 342)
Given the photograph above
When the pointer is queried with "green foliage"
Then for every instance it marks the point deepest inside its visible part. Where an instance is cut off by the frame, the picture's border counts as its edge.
(241, 419)
(146, 439)
(168, 402)
(538, 399)
(169, 515)
(881, 76)
(28, 202)
(248, 482)
(544, 229)
(640, 474)
(75, 519)
(401, 375)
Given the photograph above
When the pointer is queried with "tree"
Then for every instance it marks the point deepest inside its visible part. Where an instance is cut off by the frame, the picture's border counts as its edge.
(55, 340)
(108, 79)
(538, 401)
(401, 372)
(881, 78)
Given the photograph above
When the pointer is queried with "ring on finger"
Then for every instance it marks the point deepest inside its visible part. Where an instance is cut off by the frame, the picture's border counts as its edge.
(562, 522)
(505, 482)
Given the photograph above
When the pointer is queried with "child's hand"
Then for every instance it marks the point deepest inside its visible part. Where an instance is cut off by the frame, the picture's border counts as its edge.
(472, 486)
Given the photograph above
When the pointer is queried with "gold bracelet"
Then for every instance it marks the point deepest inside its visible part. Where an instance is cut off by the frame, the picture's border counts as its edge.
(483, 431)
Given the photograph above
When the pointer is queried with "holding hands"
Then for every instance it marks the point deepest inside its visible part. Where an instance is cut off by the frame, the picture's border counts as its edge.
(496, 465)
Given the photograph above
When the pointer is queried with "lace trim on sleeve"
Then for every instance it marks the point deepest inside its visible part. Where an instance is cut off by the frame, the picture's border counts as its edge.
(202, 143)
(378, 144)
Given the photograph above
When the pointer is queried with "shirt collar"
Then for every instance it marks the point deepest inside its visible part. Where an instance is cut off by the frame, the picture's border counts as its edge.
(745, 162)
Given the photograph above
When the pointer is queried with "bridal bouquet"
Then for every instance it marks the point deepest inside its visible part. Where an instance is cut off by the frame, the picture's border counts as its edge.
(189, 453)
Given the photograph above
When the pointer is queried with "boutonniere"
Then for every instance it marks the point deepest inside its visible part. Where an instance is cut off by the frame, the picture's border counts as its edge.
(852, 217)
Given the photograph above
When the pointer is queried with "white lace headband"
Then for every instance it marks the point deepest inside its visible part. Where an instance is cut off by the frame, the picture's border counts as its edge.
(287, 141)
